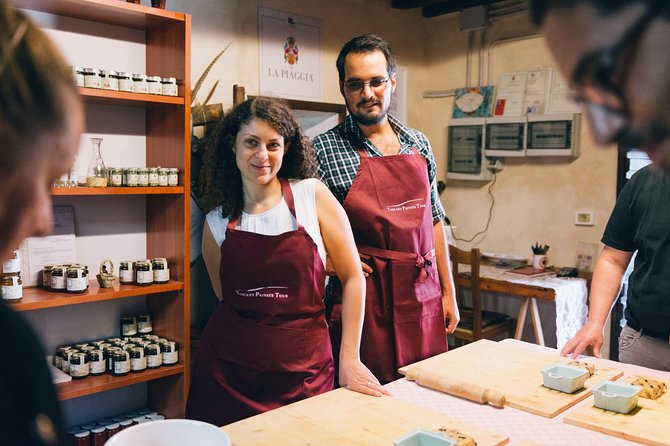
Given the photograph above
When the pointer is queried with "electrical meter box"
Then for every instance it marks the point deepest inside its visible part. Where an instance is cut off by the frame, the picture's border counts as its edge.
(505, 136)
(553, 135)
(465, 146)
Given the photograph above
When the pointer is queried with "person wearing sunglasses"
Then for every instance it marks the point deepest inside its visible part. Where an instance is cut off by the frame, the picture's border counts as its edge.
(613, 52)
(383, 173)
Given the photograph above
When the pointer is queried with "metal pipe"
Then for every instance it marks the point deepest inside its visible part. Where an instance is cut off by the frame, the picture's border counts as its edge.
(480, 63)
(468, 59)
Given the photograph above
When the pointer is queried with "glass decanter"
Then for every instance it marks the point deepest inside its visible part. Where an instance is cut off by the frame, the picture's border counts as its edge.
(96, 175)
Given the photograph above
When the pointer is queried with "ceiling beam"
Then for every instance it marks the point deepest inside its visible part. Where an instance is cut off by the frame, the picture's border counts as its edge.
(409, 4)
(447, 7)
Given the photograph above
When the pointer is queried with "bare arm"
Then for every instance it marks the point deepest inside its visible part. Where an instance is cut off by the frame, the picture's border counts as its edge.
(341, 248)
(211, 253)
(609, 271)
(449, 305)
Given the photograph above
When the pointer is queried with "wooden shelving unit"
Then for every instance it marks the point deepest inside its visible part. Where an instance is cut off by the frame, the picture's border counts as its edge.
(167, 54)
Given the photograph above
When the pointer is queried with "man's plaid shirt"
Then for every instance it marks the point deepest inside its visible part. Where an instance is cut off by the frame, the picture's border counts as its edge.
(339, 160)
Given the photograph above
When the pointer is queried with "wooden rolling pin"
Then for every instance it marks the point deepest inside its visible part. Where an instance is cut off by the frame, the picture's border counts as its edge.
(468, 391)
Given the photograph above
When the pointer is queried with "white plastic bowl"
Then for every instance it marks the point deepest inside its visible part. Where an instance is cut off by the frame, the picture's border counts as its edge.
(174, 432)
(564, 378)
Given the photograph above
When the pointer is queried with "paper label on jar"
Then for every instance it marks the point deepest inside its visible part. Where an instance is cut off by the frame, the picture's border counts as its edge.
(12, 292)
(92, 81)
(117, 179)
(126, 275)
(76, 284)
(132, 179)
(154, 360)
(155, 88)
(141, 87)
(121, 367)
(138, 363)
(153, 178)
(170, 357)
(77, 370)
(169, 89)
(11, 266)
(143, 179)
(128, 330)
(173, 179)
(162, 180)
(58, 282)
(98, 366)
(161, 275)
(126, 85)
(145, 277)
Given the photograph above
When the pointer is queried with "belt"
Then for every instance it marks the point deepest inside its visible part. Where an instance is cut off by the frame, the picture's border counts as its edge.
(664, 336)
(422, 260)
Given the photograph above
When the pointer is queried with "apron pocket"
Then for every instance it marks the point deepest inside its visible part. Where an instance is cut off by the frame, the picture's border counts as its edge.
(412, 300)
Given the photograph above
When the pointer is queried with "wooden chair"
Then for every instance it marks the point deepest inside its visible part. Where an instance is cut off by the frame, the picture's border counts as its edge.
(475, 323)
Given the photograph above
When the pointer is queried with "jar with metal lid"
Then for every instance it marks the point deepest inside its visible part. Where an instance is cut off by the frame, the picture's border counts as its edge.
(11, 288)
(128, 325)
(125, 82)
(112, 428)
(98, 436)
(88, 348)
(77, 279)
(131, 177)
(115, 176)
(97, 364)
(138, 362)
(143, 273)
(161, 270)
(13, 265)
(154, 83)
(91, 78)
(60, 355)
(140, 81)
(109, 356)
(82, 438)
(79, 367)
(173, 176)
(154, 356)
(144, 324)
(170, 351)
(46, 276)
(120, 363)
(163, 176)
(78, 74)
(124, 424)
(66, 359)
(153, 176)
(58, 278)
(169, 86)
(126, 272)
(142, 177)
(109, 80)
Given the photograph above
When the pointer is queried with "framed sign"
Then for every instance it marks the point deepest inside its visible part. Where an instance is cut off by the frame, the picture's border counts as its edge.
(290, 55)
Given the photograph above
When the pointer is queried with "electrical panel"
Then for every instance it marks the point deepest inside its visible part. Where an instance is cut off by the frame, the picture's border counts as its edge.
(505, 137)
(465, 145)
(553, 135)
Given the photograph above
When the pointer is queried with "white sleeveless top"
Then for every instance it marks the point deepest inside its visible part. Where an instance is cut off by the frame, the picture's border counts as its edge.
(278, 219)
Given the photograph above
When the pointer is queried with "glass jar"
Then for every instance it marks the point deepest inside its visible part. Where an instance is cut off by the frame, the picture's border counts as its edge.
(98, 436)
(79, 368)
(109, 80)
(169, 86)
(126, 272)
(58, 278)
(109, 356)
(161, 270)
(116, 176)
(128, 325)
(77, 279)
(163, 176)
(81, 438)
(126, 423)
(66, 359)
(97, 364)
(78, 74)
(59, 355)
(142, 177)
(140, 81)
(112, 428)
(131, 177)
(143, 273)
(138, 362)
(120, 363)
(46, 276)
(154, 83)
(144, 325)
(173, 176)
(154, 356)
(11, 288)
(96, 174)
(92, 78)
(153, 176)
(170, 352)
(12, 265)
(125, 82)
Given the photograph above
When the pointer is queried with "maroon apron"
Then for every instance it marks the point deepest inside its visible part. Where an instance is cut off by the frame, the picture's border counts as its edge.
(267, 343)
(389, 208)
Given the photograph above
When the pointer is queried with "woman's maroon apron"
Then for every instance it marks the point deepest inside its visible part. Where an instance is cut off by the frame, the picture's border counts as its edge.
(389, 208)
(267, 343)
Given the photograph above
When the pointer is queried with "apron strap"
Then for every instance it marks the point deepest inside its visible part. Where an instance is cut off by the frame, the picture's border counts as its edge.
(422, 260)
(288, 198)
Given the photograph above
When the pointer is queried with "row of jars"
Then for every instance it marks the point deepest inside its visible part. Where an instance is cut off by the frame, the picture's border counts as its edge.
(144, 272)
(11, 286)
(124, 81)
(142, 176)
(70, 278)
(116, 356)
(96, 433)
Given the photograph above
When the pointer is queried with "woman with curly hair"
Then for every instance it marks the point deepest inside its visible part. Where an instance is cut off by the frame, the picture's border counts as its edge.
(269, 229)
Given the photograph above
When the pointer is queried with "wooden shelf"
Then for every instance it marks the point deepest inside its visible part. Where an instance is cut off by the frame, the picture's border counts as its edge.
(68, 191)
(113, 12)
(38, 298)
(98, 96)
(96, 384)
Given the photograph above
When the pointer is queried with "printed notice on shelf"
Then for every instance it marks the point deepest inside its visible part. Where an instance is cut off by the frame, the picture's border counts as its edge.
(55, 249)
(537, 91)
(509, 94)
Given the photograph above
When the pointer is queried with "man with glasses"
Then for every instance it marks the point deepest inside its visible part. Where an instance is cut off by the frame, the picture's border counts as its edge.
(614, 53)
(384, 174)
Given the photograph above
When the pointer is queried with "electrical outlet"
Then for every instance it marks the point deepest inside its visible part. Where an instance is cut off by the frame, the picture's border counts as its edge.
(584, 218)
(495, 164)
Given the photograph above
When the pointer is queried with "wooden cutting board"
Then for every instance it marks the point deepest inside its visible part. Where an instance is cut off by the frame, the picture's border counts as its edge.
(344, 417)
(648, 423)
(512, 370)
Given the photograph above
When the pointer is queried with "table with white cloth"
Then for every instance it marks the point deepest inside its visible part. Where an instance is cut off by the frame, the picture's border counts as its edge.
(557, 305)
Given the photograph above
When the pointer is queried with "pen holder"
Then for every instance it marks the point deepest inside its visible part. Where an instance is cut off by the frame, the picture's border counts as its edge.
(539, 261)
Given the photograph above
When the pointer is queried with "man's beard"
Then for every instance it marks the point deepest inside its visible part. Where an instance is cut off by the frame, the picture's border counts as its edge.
(369, 120)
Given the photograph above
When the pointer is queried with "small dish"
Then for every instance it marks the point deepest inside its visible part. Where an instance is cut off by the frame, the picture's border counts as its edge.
(564, 378)
(617, 397)
(422, 437)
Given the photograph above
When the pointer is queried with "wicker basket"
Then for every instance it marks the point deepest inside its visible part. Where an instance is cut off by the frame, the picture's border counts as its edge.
(106, 277)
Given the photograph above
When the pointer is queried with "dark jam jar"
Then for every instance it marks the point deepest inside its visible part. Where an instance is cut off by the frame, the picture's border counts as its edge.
(161, 270)
(154, 356)
(79, 367)
(98, 436)
(121, 363)
(126, 272)
(128, 325)
(143, 274)
(96, 363)
(138, 362)
(170, 352)
(77, 279)
(81, 438)
(58, 278)
(144, 324)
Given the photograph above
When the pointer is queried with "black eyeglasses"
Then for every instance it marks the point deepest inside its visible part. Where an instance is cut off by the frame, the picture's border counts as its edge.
(600, 75)
(376, 84)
